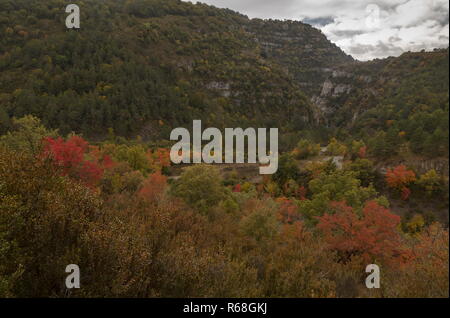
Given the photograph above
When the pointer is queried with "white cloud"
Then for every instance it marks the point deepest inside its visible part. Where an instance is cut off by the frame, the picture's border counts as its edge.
(403, 25)
(410, 26)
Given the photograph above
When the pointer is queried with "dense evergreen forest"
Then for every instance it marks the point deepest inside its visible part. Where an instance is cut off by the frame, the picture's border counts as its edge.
(140, 67)
(86, 178)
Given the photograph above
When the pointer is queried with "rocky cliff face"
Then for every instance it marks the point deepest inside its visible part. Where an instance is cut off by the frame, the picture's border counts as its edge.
(304, 51)
(350, 89)
(342, 84)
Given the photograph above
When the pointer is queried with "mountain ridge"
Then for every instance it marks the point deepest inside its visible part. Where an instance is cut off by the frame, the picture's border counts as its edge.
(198, 57)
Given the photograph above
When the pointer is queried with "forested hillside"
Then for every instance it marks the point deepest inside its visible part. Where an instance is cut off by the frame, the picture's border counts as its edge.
(86, 177)
(145, 66)
(396, 104)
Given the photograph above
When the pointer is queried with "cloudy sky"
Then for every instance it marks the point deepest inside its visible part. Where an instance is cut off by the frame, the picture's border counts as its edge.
(366, 29)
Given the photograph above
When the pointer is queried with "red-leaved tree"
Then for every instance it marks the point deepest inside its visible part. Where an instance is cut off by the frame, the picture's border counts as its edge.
(374, 235)
(301, 193)
(74, 159)
(153, 187)
(400, 178)
(288, 211)
(362, 152)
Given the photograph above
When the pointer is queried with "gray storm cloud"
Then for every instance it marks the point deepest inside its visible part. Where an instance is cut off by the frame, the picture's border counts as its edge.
(366, 29)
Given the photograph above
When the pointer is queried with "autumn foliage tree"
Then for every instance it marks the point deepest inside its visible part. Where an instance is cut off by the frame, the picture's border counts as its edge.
(153, 187)
(237, 188)
(73, 158)
(400, 178)
(288, 211)
(373, 235)
(43, 218)
(426, 274)
(301, 193)
(362, 153)
(158, 158)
